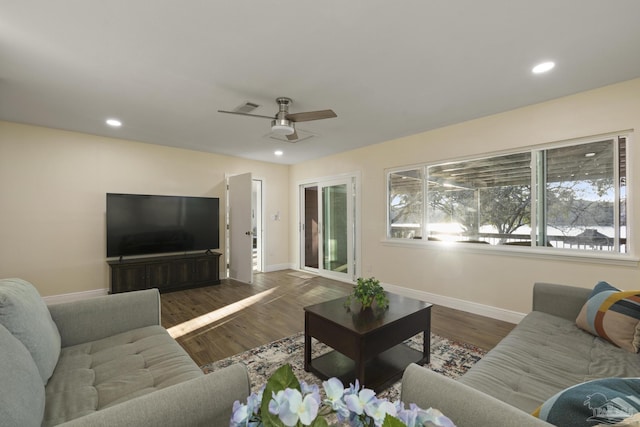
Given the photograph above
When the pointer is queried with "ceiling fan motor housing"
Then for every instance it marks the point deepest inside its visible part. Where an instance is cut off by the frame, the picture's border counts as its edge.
(282, 126)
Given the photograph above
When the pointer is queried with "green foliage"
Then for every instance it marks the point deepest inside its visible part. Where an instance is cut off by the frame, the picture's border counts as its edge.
(320, 422)
(506, 207)
(368, 290)
(390, 421)
(281, 379)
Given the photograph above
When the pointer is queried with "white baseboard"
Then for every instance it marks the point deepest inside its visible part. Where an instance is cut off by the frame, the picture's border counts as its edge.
(459, 304)
(74, 296)
(278, 267)
(455, 303)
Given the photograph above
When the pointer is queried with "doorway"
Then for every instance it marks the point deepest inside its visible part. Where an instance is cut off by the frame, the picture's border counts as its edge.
(328, 231)
(256, 194)
(244, 222)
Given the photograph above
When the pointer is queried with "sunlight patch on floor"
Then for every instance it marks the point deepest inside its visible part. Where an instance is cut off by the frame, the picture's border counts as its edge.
(213, 316)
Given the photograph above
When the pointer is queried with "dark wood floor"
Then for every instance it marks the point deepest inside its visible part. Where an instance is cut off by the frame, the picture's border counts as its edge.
(215, 322)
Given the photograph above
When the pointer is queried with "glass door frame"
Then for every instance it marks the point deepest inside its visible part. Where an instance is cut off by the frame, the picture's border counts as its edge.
(352, 182)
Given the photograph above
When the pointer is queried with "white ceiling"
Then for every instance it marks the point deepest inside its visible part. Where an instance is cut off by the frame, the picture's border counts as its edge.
(388, 69)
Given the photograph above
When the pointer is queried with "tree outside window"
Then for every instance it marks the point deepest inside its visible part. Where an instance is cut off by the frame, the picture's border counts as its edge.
(575, 194)
(406, 216)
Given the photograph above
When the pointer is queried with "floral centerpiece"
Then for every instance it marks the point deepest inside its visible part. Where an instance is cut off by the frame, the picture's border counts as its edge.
(367, 291)
(285, 401)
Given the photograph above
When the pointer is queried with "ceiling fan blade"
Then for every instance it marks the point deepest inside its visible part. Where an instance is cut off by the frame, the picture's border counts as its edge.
(311, 115)
(245, 114)
(293, 137)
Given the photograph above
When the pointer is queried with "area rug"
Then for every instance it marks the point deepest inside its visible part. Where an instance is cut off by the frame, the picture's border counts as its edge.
(448, 358)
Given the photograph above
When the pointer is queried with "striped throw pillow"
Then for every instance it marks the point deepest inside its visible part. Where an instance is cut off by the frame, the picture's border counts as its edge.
(613, 315)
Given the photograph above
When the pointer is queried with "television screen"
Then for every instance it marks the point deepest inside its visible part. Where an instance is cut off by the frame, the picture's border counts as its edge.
(141, 224)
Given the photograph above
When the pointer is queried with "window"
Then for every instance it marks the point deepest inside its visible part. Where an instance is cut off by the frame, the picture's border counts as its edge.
(469, 201)
(405, 204)
(582, 185)
(570, 196)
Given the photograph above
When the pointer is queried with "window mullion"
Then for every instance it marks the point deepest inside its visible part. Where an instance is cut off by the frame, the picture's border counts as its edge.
(534, 198)
(616, 197)
(539, 178)
(425, 202)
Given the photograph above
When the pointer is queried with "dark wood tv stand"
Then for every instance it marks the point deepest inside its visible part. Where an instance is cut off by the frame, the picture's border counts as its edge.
(167, 273)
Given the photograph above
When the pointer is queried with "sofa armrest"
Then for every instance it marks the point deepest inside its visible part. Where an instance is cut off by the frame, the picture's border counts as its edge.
(559, 300)
(100, 317)
(205, 401)
(465, 406)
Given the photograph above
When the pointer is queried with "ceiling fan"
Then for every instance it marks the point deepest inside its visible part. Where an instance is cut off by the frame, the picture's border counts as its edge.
(283, 122)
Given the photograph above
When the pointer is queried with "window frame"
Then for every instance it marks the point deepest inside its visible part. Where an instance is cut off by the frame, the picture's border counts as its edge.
(613, 256)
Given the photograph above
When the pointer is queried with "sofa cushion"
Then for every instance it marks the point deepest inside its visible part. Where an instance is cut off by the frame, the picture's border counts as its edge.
(613, 315)
(603, 401)
(543, 355)
(22, 397)
(103, 373)
(25, 315)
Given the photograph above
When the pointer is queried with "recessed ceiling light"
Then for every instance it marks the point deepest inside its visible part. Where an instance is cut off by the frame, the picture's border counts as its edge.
(590, 154)
(278, 152)
(543, 67)
(114, 123)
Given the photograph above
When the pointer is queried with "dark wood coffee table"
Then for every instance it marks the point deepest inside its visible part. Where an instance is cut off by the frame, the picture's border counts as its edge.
(368, 345)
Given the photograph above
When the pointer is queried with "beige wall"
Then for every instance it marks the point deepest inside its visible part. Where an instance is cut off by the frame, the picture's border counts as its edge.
(489, 279)
(52, 199)
(53, 185)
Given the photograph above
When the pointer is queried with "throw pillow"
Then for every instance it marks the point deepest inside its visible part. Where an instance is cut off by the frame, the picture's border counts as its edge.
(604, 401)
(613, 315)
(22, 398)
(24, 314)
(633, 421)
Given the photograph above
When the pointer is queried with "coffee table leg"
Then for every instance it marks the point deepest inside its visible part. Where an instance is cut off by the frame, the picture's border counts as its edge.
(307, 344)
(361, 378)
(360, 365)
(426, 346)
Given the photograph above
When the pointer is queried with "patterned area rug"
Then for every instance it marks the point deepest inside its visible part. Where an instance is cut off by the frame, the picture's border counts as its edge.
(447, 357)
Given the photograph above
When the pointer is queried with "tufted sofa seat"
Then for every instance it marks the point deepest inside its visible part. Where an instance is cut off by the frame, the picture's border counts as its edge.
(99, 374)
(543, 355)
(103, 361)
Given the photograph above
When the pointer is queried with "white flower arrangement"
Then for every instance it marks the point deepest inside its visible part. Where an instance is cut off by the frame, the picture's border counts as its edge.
(285, 401)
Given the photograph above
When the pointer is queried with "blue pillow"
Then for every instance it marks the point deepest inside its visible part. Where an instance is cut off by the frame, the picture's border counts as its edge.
(603, 401)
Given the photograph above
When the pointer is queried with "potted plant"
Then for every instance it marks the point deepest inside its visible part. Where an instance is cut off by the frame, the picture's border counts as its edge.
(366, 292)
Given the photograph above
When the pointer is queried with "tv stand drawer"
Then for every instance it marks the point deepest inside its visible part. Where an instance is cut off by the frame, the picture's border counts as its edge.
(167, 273)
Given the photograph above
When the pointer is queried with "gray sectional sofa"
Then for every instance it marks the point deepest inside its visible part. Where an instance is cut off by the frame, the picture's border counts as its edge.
(104, 361)
(543, 355)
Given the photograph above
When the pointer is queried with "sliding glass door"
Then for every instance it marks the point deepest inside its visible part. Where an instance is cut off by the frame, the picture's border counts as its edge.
(310, 228)
(327, 229)
(335, 228)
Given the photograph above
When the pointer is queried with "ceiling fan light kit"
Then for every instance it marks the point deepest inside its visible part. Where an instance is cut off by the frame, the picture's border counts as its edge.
(282, 126)
(283, 122)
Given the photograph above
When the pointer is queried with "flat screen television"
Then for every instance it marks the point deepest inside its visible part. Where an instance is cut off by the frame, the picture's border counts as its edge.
(144, 224)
